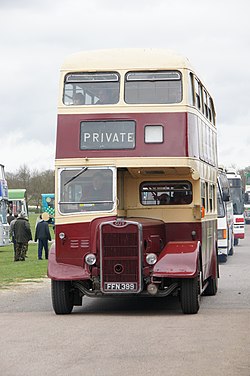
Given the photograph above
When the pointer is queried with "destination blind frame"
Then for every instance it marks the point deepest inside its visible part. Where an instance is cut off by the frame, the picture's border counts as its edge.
(96, 135)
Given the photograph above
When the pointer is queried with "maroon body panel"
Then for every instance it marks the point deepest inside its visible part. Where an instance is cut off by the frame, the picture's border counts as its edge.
(239, 236)
(183, 231)
(174, 144)
(61, 271)
(157, 237)
(80, 239)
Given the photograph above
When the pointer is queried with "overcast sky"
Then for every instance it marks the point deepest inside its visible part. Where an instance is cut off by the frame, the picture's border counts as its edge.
(37, 35)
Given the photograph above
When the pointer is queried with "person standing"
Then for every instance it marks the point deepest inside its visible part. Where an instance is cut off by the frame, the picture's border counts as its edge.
(42, 234)
(12, 234)
(22, 235)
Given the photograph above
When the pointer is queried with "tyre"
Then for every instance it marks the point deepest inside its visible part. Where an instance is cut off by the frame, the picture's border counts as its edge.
(62, 297)
(222, 258)
(190, 295)
(212, 286)
(231, 251)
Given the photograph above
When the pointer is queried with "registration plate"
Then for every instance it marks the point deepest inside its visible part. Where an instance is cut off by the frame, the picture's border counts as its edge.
(120, 286)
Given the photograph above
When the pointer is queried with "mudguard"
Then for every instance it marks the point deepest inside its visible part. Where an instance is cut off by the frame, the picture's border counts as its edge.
(64, 272)
(178, 260)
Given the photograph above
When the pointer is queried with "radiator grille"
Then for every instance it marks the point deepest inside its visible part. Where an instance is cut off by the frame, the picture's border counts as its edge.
(120, 244)
(120, 255)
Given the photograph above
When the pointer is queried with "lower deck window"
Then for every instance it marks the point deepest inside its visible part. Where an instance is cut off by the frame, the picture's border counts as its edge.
(166, 193)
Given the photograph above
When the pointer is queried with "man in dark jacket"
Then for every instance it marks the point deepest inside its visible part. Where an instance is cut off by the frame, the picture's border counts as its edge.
(22, 234)
(42, 234)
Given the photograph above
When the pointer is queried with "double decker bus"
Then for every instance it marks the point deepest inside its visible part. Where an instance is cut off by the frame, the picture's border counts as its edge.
(135, 180)
(4, 226)
(236, 191)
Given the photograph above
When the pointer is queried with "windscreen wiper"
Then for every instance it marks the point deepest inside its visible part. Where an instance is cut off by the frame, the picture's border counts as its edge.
(76, 176)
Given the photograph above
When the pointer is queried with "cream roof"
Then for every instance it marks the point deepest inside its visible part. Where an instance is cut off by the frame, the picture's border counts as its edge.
(115, 59)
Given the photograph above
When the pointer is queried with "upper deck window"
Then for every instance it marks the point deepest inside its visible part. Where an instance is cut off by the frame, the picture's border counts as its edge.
(198, 94)
(91, 89)
(160, 87)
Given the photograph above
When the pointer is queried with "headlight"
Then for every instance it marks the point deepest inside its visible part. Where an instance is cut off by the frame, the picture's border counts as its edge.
(151, 258)
(90, 259)
(61, 235)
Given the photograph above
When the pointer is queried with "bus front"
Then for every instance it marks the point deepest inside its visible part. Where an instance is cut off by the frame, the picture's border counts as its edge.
(132, 198)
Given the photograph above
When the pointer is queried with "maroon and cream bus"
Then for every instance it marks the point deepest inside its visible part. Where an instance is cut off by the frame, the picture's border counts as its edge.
(136, 169)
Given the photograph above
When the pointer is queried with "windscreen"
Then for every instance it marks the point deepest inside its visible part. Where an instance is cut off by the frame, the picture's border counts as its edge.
(237, 195)
(86, 189)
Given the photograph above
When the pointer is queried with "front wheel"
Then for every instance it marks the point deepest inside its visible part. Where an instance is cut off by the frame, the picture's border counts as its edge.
(62, 297)
(190, 295)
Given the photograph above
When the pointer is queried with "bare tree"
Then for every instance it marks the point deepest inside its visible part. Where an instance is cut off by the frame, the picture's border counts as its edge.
(43, 182)
(35, 182)
(243, 175)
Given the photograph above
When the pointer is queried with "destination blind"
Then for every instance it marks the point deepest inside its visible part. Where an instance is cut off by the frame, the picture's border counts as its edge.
(104, 135)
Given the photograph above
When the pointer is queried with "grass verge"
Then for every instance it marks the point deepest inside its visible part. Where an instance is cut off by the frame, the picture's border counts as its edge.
(20, 271)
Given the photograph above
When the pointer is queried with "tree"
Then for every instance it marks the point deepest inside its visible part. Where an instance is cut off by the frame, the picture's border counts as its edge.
(43, 182)
(243, 175)
(34, 182)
